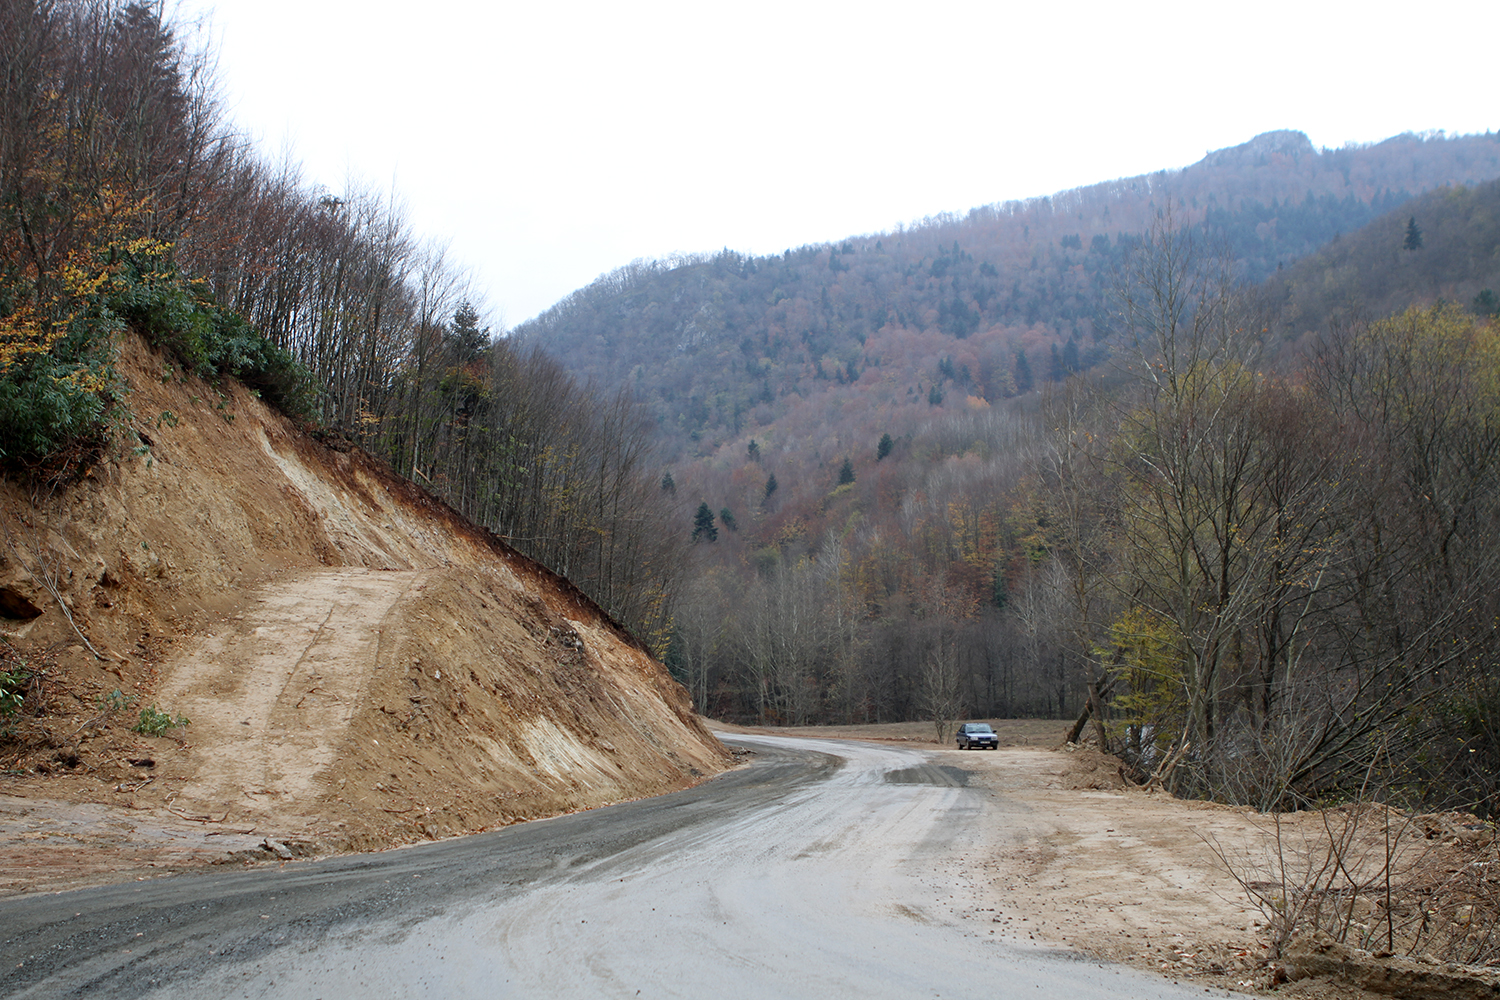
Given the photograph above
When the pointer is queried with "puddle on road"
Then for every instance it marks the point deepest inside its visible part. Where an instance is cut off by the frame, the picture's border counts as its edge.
(943, 776)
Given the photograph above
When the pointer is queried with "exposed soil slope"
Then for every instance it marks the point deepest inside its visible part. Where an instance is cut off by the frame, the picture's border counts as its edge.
(359, 666)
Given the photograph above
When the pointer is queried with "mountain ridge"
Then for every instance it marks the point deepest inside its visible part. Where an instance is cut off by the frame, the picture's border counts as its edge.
(705, 341)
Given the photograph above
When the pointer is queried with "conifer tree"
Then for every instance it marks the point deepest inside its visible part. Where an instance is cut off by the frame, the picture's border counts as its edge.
(470, 338)
(703, 524)
(1413, 239)
(846, 473)
(1025, 381)
(1057, 371)
(884, 447)
(1070, 356)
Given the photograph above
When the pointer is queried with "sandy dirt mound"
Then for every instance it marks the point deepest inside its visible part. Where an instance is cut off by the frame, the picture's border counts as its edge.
(358, 665)
(1160, 883)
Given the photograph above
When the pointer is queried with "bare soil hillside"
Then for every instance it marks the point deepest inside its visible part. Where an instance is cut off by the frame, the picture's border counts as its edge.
(357, 665)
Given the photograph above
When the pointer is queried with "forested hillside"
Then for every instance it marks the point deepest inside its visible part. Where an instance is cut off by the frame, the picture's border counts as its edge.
(1444, 245)
(890, 477)
(128, 198)
(989, 305)
(1270, 588)
(1162, 540)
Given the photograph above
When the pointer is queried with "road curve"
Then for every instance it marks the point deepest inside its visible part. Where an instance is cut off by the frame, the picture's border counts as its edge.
(824, 869)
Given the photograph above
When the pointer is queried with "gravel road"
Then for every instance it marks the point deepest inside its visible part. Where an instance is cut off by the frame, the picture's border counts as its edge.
(825, 868)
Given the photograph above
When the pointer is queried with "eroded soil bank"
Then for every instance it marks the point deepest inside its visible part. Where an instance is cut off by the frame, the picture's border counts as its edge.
(357, 665)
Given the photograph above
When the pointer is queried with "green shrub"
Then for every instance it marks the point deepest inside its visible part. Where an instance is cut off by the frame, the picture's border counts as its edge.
(155, 722)
(116, 701)
(12, 685)
(280, 379)
(46, 405)
(181, 318)
(57, 385)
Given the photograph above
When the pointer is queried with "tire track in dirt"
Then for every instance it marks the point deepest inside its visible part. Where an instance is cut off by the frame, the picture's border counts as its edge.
(269, 699)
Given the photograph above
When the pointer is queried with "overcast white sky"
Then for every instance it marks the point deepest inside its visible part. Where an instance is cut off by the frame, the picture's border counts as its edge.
(550, 141)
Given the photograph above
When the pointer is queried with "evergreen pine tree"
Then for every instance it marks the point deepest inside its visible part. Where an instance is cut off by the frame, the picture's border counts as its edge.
(753, 451)
(1070, 356)
(726, 517)
(884, 447)
(1413, 239)
(846, 473)
(471, 339)
(770, 487)
(1057, 372)
(1025, 381)
(667, 485)
(703, 524)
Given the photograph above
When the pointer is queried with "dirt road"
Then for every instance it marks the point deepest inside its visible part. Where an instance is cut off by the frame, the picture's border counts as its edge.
(276, 690)
(809, 873)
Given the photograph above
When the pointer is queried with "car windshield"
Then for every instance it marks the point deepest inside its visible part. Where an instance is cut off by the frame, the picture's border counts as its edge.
(978, 727)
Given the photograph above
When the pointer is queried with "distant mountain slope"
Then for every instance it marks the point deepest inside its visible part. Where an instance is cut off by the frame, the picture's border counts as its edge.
(722, 345)
(1382, 269)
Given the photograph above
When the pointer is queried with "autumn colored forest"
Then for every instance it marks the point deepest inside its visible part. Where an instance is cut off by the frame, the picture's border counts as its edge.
(1204, 459)
(127, 199)
(880, 446)
(991, 305)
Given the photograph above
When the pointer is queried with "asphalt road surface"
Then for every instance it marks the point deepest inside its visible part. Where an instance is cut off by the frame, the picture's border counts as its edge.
(824, 869)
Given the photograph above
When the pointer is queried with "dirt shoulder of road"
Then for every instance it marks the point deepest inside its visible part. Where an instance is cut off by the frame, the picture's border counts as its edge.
(1141, 878)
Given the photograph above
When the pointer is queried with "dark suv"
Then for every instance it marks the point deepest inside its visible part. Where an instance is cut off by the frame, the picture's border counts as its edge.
(977, 736)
